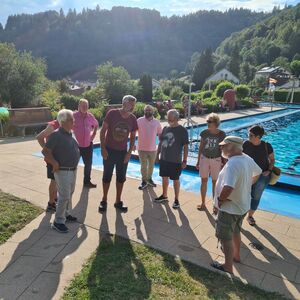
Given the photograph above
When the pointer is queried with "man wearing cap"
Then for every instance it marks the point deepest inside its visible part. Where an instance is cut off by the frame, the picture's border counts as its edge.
(233, 198)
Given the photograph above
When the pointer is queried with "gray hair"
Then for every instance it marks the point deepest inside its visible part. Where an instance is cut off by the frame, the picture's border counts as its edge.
(82, 100)
(63, 115)
(128, 98)
(174, 113)
(149, 106)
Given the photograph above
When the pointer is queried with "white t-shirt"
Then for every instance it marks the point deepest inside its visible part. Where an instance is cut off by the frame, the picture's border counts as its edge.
(237, 173)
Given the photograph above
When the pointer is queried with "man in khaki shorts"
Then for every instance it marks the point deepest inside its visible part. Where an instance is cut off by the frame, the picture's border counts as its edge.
(233, 198)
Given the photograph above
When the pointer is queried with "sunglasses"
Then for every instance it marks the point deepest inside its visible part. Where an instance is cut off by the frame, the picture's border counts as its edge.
(209, 122)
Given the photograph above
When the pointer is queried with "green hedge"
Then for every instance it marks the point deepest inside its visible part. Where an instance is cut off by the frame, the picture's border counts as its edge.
(280, 96)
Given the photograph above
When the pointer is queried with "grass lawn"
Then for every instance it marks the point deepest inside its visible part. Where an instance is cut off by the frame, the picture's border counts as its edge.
(15, 213)
(121, 269)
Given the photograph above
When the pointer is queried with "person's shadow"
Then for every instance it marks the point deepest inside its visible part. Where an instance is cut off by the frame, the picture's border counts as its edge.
(116, 271)
(275, 259)
(35, 268)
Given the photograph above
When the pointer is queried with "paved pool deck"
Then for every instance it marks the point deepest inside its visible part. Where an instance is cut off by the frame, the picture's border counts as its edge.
(38, 263)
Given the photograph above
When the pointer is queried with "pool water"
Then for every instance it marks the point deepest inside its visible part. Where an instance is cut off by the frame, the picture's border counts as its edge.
(283, 201)
(282, 131)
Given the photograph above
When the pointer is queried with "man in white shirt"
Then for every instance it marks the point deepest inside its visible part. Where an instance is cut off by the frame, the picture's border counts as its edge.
(233, 198)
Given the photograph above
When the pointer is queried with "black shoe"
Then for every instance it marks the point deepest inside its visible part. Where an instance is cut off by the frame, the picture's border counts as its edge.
(152, 183)
(161, 199)
(51, 207)
(70, 218)
(102, 206)
(176, 204)
(90, 185)
(121, 206)
(143, 185)
(62, 228)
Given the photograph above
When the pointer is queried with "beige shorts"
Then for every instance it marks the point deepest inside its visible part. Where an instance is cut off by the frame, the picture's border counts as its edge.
(210, 167)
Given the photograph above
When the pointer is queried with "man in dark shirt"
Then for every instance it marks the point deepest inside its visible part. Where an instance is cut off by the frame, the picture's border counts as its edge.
(118, 125)
(62, 152)
(173, 140)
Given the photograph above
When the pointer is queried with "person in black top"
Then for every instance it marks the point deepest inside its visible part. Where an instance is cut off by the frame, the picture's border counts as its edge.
(263, 155)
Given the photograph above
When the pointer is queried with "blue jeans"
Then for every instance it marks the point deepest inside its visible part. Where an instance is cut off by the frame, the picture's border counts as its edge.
(257, 189)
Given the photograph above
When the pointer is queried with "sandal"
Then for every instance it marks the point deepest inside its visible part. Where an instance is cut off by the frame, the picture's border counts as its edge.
(251, 221)
(218, 266)
(201, 207)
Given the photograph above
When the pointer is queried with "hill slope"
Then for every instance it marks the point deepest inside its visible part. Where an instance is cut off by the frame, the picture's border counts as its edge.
(138, 39)
(276, 40)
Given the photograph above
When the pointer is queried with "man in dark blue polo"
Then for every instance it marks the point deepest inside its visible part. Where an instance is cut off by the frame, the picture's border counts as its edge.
(62, 152)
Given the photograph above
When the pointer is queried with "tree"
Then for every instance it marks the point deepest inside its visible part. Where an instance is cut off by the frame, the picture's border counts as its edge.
(295, 67)
(234, 62)
(21, 76)
(247, 72)
(282, 62)
(272, 53)
(145, 83)
(115, 81)
(203, 68)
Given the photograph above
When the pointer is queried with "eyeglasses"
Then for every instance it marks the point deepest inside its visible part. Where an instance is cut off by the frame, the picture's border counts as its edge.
(210, 121)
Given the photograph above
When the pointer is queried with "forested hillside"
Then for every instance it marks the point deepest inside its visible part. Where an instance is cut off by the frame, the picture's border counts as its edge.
(275, 40)
(141, 40)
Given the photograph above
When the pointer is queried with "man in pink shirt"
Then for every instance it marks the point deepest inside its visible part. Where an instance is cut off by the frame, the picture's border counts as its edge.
(85, 129)
(148, 129)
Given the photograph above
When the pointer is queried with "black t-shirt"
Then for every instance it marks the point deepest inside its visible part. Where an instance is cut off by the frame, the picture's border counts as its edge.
(259, 153)
(172, 141)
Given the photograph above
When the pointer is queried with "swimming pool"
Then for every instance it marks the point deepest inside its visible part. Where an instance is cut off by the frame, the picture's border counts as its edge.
(277, 200)
(282, 131)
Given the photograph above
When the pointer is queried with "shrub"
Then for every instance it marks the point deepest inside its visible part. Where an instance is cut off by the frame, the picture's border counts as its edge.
(205, 94)
(95, 96)
(158, 95)
(176, 93)
(50, 98)
(247, 102)
(222, 87)
(281, 96)
(212, 104)
(69, 101)
(139, 110)
(242, 91)
(258, 92)
(98, 112)
(178, 106)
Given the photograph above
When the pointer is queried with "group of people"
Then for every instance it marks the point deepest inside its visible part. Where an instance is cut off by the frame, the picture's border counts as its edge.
(240, 170)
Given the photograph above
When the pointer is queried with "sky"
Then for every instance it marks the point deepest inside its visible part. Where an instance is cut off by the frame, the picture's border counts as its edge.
(166, 7)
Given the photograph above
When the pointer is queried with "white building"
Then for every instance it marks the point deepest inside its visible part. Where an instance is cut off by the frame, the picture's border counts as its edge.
(223, 74)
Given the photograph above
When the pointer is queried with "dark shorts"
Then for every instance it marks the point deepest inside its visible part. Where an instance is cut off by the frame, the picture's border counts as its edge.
(50, 174)
(169, 169)
(227, 225)
(115, 158)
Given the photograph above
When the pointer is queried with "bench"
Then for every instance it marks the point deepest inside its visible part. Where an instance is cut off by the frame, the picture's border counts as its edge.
(29, 117)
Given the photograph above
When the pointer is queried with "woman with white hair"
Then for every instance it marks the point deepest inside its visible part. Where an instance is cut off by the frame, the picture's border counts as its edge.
(209, 157)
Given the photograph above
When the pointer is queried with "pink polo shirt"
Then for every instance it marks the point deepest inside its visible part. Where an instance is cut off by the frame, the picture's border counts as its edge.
(148, 131)
(84, 126)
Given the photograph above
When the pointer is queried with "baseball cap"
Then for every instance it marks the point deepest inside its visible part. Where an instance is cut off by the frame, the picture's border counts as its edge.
(235, 140)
